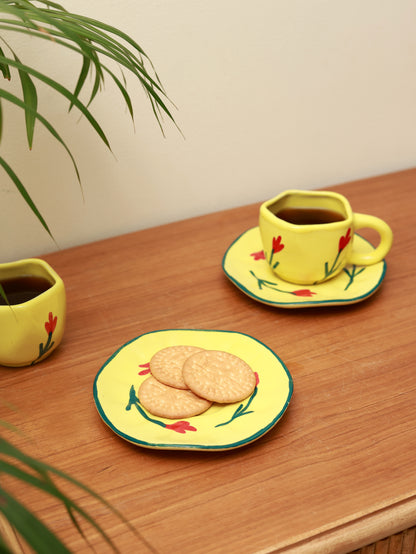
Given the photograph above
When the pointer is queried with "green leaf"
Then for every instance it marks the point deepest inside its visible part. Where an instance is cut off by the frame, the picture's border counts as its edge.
(24, 193)
(86, 63)
(45, 482)
(90, 30)
(1, 120)
(124, 92)
(4, 68)
(40, 538)
(52, 5)
(89, 38)
(18, 102)
(93, 38)
(64, 92)
(31, 100)
(3, 295)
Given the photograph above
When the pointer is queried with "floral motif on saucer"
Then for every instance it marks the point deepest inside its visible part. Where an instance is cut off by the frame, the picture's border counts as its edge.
(222, 426)
(245, 265)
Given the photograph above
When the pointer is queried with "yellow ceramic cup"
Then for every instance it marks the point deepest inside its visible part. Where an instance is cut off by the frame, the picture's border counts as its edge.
(309, 253)
(32, 329)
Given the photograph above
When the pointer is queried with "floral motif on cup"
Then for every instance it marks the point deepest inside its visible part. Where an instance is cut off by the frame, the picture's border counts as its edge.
(277, 246)
(342, 243)
(50, 326)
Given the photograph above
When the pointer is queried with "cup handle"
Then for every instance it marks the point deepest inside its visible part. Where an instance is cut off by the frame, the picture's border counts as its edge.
(386, 240)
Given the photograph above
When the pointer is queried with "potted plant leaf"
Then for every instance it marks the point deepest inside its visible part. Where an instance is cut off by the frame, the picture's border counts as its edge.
(100, 47)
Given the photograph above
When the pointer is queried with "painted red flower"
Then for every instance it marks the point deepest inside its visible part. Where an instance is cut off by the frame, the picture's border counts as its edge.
(146, 369)
(257, 378)
(180, 426)
(343, 241)
(277, 244)
(51, 323)
(258, 255)
(303, 292)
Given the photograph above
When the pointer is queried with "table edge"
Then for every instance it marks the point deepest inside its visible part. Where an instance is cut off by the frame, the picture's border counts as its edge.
(352, 535)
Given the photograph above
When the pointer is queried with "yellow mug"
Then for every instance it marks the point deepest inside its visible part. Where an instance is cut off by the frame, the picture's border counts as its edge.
(308, 236)
(32, 323)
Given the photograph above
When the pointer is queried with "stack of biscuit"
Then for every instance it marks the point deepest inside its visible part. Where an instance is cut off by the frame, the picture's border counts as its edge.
(186, 380)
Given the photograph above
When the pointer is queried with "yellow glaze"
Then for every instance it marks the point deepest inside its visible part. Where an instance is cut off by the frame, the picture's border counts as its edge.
(310, 254)
(245, 265)
(221, 427)
(30, 331)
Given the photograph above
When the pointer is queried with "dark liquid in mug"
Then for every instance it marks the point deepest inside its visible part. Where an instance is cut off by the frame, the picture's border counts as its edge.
(309, 216)
(22, 289)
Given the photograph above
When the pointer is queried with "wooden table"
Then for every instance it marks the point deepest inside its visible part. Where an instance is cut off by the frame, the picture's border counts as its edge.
(336, 473)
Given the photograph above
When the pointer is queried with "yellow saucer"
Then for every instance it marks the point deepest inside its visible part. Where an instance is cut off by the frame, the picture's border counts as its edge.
(221, 427)
(245, 266)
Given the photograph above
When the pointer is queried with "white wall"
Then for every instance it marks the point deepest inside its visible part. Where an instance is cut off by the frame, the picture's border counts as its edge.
(271, 94)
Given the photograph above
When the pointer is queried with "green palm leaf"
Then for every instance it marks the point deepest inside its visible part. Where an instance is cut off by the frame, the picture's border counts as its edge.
(21, 188)
(29, 526)
(64, 92)
(93, 41)
(94, 36)
(3, 295)
(30, 98)
(89, 38)
(38, 474)
(18, 102)
(4, 68)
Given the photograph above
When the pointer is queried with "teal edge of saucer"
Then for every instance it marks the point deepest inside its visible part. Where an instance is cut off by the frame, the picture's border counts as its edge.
(302, 304)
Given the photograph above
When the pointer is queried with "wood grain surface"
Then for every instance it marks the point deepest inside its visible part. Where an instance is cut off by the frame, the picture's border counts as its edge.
(400, 543)
(335, 474)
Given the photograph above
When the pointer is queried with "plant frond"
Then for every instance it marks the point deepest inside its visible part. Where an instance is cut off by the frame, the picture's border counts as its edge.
(92, 40)
(4, 68)
(3, 295)
(29, 526)
(31, 103)
(18, 102)
(38, 474)
(24, 193)
(64, 92)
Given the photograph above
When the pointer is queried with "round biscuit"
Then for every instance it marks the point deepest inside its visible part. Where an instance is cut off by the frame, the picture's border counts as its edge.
(166, 365)
(219, 376)
(164, 401)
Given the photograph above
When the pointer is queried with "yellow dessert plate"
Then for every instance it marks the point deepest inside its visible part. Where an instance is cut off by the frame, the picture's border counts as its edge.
(221, 427)
(244, 264)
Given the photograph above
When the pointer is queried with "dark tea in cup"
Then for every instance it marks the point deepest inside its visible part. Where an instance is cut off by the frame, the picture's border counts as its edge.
(309, 216)
(308, 236)
(23, 288)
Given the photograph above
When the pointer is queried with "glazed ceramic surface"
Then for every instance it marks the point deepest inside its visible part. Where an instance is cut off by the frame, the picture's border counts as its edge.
(30, 331)
(221, 427)
(313, 253)
(245, 265)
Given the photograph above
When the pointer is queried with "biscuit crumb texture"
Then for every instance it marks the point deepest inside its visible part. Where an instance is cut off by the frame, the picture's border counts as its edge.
(166, 365)
(164, 401)
(219, 376)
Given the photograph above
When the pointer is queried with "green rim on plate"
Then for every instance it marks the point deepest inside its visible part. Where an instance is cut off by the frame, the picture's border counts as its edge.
(221, 427)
